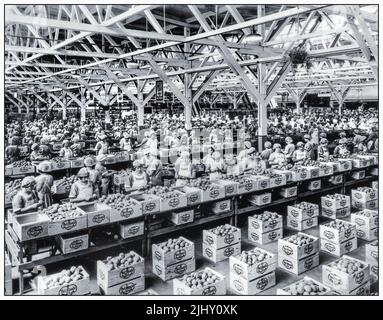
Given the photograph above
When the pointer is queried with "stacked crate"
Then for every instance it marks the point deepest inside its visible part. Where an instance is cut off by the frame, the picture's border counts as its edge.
(302, 216)
(364, 198)
(372, 258)
(121, 275)
(173, 258)
(260, 199)
(338, 237)
(298, 253)
(367, 223)
(252, 271)
(221, 242)
(347, 276)
(266, 227)
(335, 206)
(305, 287)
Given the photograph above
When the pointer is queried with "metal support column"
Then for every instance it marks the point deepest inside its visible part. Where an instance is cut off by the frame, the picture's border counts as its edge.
(188, 91)
(140, 107)
(262, 108)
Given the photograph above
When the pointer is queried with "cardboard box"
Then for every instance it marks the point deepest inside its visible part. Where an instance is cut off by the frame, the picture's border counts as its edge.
(182, 217)
(364, 196)
(301, 175)
(97, 213)
(108, 278)
(174, 270)
(221, 206)
(344, 282)
(260, 199)
(284, 291)
(301, 225)
(336, 214)
(303, 214)
(160, 256)
(215, 192)
(264, 238)
(174, 203)
(335, 235)
(216, 289)
(243, 286)
(326, 170)
(289, 192)
(314, 185)
(367, 234)
(73, 242)
(30, 226)
(127, 213)
(363, 222)
(298, 266)
(216, 255)
(363, 290)
(344, 165)
(357, 175)
(193, 195)
(67, 225)
(127, 288)
(247, 186)
(338, 249)
(337, 179)
(254, 271)
(150, 203)
(287, 173)
(231, 187)
(334, 204)
(312, 171)
(130, 230)
(296, 252)
(262, 182)
(372, 205)
(278, 181)
(217, 241)
(265, 226)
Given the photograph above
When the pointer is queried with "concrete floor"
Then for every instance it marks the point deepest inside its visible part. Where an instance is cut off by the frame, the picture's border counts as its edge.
(283, 278)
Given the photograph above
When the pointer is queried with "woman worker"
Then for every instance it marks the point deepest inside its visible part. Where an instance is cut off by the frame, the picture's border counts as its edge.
(184, 169)
(154, 169)
(138, 179)
(216, 166)
(26, 199)
(44, 183)
(277, 158)
(82, 189)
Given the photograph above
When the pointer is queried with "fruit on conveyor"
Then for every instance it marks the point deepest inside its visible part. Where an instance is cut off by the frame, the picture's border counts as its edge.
(58, 212)
(305, 288)
(347, 265)
(340, 225)
(173, 244)
(253, 256)
(300, 239)
(266, 216)
(123, 260)
(200, 279)
(66, 277)
(223, 230)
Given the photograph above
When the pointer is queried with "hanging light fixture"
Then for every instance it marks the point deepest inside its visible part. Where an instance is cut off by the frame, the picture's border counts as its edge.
(252, 38)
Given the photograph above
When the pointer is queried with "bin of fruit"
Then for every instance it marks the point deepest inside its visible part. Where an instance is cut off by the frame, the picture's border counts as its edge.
(230, 186)
(193, 195)
(260, 199)
(358, 162)
(239, 285)
(301, 225)
(313, 171)
(300, 173)
(324, 169)
(30, 226)
(276, 180)
(289, 192)
(298, 246)
(11, 188)
(170, 199)
(345, 274)
(74, 281)
(205, 282)
(97, 213)
(364, 194)
(335, 201)
(122, 207)
(305, 287)
(303, 210)
(64, 218)
(59, 164)
(365, 219)
(344, 164)
(245, 184)
(63, 185)
(22, 167)
(285, 170)
(149, 202)
(118, 269)
(222, 236)
(122, 156)
(261, 182)
(265, 222)
(210, 190)
(337, 231)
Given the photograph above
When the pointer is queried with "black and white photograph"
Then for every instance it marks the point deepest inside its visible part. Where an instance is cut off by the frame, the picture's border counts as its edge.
(190, 149)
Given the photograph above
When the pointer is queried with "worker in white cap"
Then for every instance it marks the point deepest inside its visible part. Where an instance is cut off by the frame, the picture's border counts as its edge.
(216, 167)
(299, 154)
(243, 153)
(138, 179)
(341, 150)
(102, 145)
(184, 169)
(44, 183)
(154, 169)
(82, 189)
(252, 162)
(265, 154)
(26, 199)
(289, 148)
(66, 152)
(277, 158)
(323, 152)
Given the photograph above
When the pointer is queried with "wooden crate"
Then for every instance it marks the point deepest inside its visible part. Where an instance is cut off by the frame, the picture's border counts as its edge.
(262, 182)
(216, 289)
(265, 226)
(78, 288)
(344, 165)
(73, 242)
(303, 214)
(127, 213)
(130, 230)
(62, 165)
(250, 272)
(335, 204)
(243, 286)
(175, 270)
(364, 196)
(337, 179)
(173, 203)
(360, 205)
(76, 163)
(278, 181)
(360, 162)
(358, 175)
(287, 173)
(326, 171)
(218, 192)
(336, 214)
(341, 281)
(312, 171)
(106, 278)
(301, 225)
(372, 253)
(60, 190)
(374, 172)
(264, 238)
(367, 234)
(218, 242)
(217, 255)
(127, 288)
(220, 207)
(284, 292)
(193, 195)
(335, 235)
(248, 186)
(338, 249)
(298, 266)
(67, 225)
(375, 185)
(289, 192)
(159, 255)
(97, 213)
(300, 175)
(363, 222)
(30, 226)
(314, 185)
(150, 203)
(295, 252)
(23, 170)
(182, 217)
(363, 290)
(231, 187)
(260, 199)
